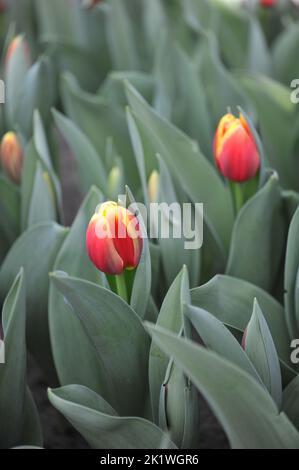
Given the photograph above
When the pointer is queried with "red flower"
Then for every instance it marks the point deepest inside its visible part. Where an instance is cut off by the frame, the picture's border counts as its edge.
(268, 3)
(113, 239)
(235, 150)
(11, 156)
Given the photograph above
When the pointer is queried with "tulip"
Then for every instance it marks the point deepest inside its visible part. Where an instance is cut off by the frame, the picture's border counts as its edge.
(235, 150)
(18, 43)
(11, 156)
(268, 3)
(113, 239)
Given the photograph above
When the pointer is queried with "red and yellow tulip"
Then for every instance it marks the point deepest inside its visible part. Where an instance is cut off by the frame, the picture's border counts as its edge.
(114, 242)
(235, 150)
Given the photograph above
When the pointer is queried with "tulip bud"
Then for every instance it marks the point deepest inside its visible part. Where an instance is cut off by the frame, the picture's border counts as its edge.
(153, 187)
(268, 3)
(11, 156)
(18, 43)
(113, 239)
(235, 150)
(115, 182)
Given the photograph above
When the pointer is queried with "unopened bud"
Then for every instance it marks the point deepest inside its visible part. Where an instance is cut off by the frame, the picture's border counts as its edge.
(11, 156)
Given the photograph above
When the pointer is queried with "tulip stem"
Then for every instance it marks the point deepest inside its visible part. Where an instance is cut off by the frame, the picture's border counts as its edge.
(121, 287)
(238, 197)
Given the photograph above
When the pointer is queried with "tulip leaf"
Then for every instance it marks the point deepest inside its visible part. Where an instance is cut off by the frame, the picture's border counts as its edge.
(90, 168)
(16, 69)
(99, 424)
(98, 118)
(35, 251)
(259, 231)
(285, 53)
(9, 214)
(143, 277)
(290, 402)
(39, 78)
(116, 336)
(120, 38)
(219, 339)
(190, 257)
(70, 344)
(17, 409)
(61, 22)
(247, 413)
(171, 318)
(194, 172)
(230, 300)
(222, 89)
(276, 115)
(179, 409)
(42, 206)
(290, 274)
(260, 348)
(42, 148)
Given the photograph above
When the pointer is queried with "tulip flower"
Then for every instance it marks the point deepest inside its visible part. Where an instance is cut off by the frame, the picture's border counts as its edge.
(18, 43)
(235, 150)
(268, 3)
(153, 187)
(113, 239)
(11, 156)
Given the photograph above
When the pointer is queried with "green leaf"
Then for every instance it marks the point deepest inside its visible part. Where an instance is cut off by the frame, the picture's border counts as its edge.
(42, 205)
(180, 408)
(70, 344)
(247, 413)
(9, 214)
(98, 119)
(285, 52)
(219, 339)
(61, 22)
(15, 72)
(90, 167)
(223, 91)
(35, 251)
(143, 277)
(259, 232)
(230, 300)
(290, 402)
(43, 151)
(28, 176)
(260, 348)
(120, 37)
(17, 409)
(190, 257)
(118, 340)
(39, 78)
(171, 318)
(290, 274)
(99, 424)
(194, 172)
(276, 114)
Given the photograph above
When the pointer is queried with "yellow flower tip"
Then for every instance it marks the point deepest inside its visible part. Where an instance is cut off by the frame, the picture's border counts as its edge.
(18, 41)
(153, 187)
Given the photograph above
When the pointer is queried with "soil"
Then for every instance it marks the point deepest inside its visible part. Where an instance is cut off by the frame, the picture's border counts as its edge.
(58, 433)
